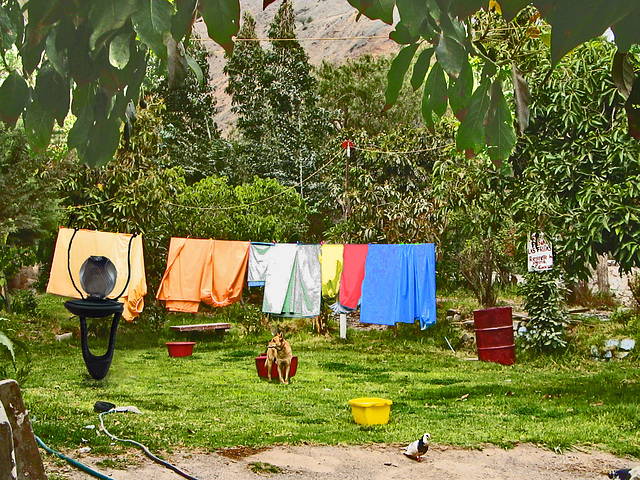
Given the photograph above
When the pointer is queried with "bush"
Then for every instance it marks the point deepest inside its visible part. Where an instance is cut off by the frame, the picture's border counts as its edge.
(546, 328)
(24, 302)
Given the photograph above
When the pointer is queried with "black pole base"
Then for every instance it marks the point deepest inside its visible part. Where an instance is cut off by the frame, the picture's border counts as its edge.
(98, 366)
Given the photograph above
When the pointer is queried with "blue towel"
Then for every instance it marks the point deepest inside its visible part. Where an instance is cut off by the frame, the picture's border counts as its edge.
(380, 287)
(424, 273)
(399, 285)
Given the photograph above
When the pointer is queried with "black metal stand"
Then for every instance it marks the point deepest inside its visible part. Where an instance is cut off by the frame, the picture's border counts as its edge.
(98, 366)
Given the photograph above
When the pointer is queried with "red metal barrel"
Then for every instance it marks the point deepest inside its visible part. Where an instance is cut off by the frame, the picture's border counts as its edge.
(494, 335)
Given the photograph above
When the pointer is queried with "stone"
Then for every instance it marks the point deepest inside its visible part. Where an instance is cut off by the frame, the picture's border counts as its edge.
(627, 344)
(28, 462)
(612, 343)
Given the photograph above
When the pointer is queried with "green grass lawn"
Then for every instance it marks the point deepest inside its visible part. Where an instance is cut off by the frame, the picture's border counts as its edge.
(214, 398)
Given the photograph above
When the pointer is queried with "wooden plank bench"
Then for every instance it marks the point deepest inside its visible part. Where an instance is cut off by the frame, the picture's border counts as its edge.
(203, 327)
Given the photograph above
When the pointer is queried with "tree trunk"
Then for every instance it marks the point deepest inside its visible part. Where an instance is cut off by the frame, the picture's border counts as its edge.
(602, 274)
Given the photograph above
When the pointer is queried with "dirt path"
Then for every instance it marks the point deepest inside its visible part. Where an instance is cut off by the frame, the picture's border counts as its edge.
(371, 462)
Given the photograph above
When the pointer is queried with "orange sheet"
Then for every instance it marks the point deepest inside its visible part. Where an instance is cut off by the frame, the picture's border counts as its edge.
(209, 271)
(114, 246)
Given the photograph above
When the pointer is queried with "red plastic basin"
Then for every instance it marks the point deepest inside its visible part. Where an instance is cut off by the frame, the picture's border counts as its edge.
(261, 367)
(180, 349)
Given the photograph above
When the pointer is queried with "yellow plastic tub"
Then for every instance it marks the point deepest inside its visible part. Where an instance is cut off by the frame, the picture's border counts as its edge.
(370, 411)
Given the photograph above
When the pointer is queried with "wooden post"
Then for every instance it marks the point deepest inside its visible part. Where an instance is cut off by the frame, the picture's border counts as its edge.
(7, 454)
(343, 325)
(27, 459)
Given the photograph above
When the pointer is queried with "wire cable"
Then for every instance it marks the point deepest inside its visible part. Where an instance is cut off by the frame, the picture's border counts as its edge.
(144, 449)
(73, 462)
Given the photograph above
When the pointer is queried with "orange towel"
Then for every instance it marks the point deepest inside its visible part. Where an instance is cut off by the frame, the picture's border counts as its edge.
(230, 261)
(183, 280)
(115, 247)
(211, 271)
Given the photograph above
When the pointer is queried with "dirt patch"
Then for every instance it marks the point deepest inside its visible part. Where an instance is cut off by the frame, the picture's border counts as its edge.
(237, 453)
(369, 462)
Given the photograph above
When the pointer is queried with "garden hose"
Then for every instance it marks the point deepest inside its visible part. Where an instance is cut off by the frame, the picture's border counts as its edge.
(73, 462)
(143, 448)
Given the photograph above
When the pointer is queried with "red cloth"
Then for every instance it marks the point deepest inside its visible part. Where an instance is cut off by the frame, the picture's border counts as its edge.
(355, 257)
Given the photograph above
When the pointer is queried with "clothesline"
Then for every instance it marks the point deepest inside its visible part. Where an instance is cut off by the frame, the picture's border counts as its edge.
(244, 205)
(293, 187)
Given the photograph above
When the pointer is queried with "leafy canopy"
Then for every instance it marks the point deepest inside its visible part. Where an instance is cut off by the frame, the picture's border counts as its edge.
(89, 58)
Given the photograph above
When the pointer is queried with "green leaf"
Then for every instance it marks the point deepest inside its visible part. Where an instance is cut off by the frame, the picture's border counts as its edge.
(104, 138)
(223, 21)
(53, 52)
(421, 68)
(499, 132)
(195, 68)
(8, 344)
(375, 9)
(107, 16)
(623, 74)
(152, 23)
(460, 91)
(510, 8)
(8, 32)
(120, 50)
(38, 125)
(470, 135)
(575, 22)
(451, 55)
(434, 99)
(626, 31)
(522, 98)
(402, 36)
(397, 71)
(79, 132)
(183, 19)
(14, 96)
(412, 17)
(53, 92)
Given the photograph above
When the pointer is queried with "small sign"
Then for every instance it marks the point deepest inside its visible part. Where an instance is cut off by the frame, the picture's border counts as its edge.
(540, 254)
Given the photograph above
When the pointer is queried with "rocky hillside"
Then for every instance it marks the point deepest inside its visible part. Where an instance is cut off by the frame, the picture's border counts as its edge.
(326, 28)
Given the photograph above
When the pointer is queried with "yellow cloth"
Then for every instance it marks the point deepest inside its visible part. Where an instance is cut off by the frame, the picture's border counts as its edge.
(114, 246)
(209, 271)
(331, 266)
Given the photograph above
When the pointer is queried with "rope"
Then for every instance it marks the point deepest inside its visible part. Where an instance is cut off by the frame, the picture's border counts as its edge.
(91, 204)
(75, 230)
(373, 37)
(144, 449)
(244, 205)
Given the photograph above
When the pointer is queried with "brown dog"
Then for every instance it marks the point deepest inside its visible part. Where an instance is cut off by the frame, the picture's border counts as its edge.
(279, 351)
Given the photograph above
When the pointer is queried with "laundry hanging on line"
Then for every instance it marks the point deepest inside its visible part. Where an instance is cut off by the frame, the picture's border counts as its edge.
(258, 263)
(399, 285)
(293, 281)
(114, 246)
(331, 260)
(203, 270)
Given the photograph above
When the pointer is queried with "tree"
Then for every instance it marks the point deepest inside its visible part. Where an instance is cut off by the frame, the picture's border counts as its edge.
(28, 209)
(354, 93)
(452, 36)
(385, 193)
(575, 166)
(190, 138)
(478, 232)
(273, 93)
